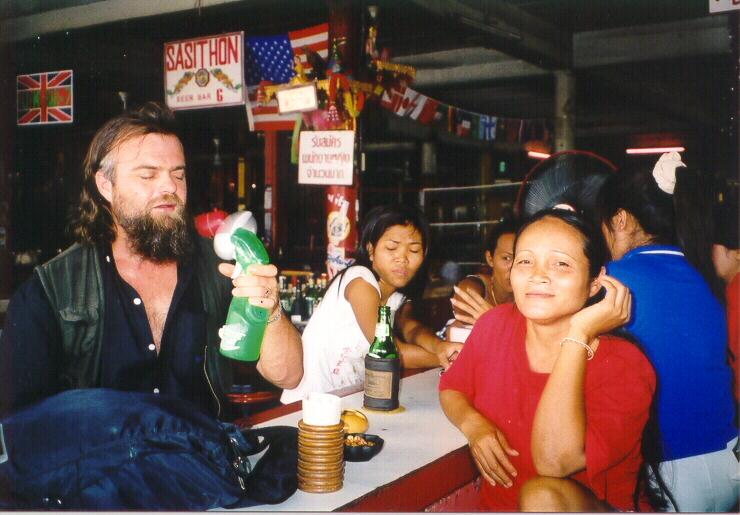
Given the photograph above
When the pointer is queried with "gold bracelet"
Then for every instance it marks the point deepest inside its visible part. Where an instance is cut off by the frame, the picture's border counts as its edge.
(276, 316)
(586, 346)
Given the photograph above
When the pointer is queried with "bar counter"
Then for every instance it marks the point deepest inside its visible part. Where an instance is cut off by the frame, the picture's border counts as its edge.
(424, 457)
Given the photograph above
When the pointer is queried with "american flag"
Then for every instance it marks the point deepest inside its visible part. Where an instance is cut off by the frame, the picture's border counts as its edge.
(270, 58)
(44, 98)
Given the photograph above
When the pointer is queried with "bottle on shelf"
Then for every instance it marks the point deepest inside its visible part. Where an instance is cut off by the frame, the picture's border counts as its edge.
(322, 285)
(310, 295)
(382, 366)
(286, 296)
(298, 310)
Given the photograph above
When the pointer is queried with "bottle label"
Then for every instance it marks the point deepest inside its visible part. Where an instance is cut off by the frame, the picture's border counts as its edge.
(378, 384)
(381, 331)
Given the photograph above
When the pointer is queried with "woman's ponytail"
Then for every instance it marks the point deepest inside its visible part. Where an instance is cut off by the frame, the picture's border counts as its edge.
(693, 223)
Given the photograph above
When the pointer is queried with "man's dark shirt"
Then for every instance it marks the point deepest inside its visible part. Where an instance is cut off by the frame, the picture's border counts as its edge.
(31, 351)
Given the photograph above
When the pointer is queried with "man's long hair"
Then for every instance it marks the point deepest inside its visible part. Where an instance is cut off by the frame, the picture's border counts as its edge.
(92, 222)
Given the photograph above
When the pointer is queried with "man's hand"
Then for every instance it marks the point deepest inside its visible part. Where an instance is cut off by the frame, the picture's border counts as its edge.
(281, 356)
(259, 284)
(491, 452)
(469, 306)
(447, 353)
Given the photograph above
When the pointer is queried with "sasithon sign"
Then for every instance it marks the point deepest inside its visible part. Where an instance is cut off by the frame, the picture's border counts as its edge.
(204, 72)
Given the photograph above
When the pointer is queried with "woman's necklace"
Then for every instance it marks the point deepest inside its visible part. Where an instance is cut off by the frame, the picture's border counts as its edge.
(493, 294)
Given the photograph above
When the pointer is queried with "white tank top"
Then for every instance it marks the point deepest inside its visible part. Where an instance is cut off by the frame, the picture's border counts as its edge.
(334, 345)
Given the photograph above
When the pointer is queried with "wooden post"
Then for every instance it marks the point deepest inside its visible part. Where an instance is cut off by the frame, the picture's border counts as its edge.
(272, 190)
(340, 202)
(565, 109)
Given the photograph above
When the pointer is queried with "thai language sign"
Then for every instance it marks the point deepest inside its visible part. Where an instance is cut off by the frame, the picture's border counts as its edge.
(326, 157)
(204, 72)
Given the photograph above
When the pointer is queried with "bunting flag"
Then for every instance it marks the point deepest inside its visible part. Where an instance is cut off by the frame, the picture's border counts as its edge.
(487, 127)
(512, 129)
(451, 118)
(463, 123)
(406, 102)
(44, 98)
(427, 111)
(271, 58)
(392, 99)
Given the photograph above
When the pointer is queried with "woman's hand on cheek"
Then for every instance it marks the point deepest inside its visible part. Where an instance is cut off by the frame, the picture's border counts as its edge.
(609, 313)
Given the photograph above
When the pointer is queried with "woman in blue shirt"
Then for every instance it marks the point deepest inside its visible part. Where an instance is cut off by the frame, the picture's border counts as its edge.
(659, 232)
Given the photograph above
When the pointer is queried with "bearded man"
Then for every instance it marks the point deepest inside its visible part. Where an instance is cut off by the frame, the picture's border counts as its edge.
(136, 303)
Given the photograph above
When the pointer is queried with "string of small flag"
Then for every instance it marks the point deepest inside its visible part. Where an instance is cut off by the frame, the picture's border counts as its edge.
(406, 102)
(273, 59)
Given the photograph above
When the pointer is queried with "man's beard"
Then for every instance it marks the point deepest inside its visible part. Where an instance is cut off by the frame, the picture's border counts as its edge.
(161, 238)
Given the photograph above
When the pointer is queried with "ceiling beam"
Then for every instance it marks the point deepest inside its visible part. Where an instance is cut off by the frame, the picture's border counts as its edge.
(653, 96)
(674, 40)
(688, 38)
(452, 57)
(511, 29)
(481, 65)
(476, 73)
(104, 11)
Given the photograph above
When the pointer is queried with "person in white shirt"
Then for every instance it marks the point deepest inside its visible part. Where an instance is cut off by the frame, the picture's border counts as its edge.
(393, 246)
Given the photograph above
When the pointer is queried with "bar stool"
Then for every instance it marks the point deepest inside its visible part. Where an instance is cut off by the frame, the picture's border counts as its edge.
(251, 393)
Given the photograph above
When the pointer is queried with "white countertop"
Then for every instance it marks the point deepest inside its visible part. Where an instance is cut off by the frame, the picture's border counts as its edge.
(418, 436)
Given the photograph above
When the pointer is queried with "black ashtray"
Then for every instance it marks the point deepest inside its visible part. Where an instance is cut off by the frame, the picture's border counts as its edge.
(362, 452)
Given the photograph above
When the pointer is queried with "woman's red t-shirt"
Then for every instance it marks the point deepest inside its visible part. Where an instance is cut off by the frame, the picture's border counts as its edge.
(494, 373)
(733, 328)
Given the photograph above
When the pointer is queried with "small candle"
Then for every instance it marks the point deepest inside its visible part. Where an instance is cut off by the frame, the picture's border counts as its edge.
(321, 409)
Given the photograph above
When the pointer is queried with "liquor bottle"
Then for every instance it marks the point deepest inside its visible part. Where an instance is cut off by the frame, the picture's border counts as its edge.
(382, 366)
(322, 285)
(285, 301)
(311, 297)
(298, 310)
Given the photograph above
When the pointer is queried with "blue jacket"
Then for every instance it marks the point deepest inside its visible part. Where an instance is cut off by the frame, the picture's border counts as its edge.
(683, 331)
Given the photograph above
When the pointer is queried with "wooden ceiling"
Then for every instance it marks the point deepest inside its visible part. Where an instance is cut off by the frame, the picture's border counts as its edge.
(641, 67)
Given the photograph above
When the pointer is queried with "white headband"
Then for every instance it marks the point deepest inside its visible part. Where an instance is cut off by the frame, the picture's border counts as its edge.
(664, 171)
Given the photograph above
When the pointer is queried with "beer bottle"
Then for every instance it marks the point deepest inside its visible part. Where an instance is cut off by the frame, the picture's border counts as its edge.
(382, 366)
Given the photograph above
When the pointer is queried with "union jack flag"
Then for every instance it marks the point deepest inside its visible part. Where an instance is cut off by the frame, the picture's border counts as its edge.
(44, 98)
(270, 58)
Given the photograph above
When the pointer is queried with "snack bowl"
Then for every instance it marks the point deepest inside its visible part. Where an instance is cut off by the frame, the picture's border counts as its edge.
(362, 452)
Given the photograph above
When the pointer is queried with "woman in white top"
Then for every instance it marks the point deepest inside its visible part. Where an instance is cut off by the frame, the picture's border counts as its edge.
(393, 245)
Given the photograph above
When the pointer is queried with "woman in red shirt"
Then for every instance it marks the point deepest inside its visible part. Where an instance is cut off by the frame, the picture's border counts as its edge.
(553, 409)
(726, 260)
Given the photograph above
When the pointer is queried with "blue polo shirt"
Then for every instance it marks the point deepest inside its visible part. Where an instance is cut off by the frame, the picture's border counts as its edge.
(31, 353)
(683, 331)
